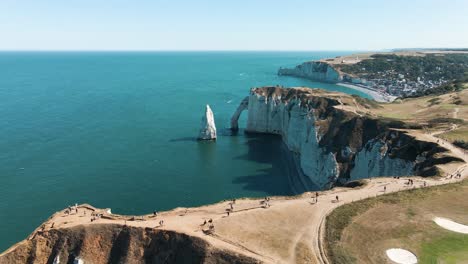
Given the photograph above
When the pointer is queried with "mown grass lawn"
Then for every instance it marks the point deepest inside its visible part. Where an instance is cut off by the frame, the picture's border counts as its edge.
(450, 249)
(362, 231)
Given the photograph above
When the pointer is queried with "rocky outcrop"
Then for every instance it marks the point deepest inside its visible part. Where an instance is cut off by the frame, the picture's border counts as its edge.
(333, 146)
(111, 243)
(314, 70)
(208, 127)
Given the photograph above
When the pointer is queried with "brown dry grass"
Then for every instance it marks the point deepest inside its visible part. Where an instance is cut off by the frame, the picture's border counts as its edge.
(424, 109)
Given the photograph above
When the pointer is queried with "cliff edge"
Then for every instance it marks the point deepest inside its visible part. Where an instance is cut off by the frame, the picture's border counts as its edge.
(335, 138)
(69, 237)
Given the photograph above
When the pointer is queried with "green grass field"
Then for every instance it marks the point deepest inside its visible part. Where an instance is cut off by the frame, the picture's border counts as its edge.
(362, 231)
(457, 134)
(449, 249)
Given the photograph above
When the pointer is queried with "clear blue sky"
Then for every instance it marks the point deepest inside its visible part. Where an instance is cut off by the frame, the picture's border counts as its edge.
(232, 25)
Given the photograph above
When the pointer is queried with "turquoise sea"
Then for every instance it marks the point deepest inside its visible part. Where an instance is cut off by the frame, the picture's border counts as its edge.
(116, 129)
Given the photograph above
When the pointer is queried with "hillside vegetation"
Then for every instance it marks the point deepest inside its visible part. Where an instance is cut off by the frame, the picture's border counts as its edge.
(435, 113)
(430, 66)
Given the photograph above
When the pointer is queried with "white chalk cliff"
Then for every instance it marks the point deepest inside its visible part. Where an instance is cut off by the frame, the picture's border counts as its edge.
(322, 72)
(373, 160)
(314, 70)
(331, 145)
(208, 127)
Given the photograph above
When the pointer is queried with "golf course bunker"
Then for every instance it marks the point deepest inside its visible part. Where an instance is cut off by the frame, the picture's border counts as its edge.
(401, 256)
(451, 225)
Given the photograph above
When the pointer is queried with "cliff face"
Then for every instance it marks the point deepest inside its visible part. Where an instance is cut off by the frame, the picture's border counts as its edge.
(107, 243)
(314, 70)
(331, 145)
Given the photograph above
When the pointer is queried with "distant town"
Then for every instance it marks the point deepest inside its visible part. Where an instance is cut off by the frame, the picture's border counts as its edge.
(406, 75)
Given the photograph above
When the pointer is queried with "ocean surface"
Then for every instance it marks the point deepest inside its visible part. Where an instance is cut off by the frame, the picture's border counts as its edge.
(117, 129)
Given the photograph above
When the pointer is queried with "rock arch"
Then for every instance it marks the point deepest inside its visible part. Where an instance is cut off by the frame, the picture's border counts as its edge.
(235, 117)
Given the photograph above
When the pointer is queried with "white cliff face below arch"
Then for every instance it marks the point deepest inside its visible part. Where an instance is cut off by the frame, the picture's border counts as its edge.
(297, 120)
(297, 128)
(208, 127)
(373, 160)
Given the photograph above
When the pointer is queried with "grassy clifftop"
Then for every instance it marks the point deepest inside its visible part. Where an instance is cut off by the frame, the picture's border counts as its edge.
(362, 231)
(447, 113)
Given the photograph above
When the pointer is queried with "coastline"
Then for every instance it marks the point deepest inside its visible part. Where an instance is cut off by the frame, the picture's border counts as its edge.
(377, 96)
(277, 229)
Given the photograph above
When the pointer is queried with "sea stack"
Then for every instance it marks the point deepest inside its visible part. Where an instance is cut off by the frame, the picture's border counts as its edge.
(208, 127)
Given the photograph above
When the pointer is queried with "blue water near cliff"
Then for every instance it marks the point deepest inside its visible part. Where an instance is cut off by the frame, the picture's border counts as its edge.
(116, 130)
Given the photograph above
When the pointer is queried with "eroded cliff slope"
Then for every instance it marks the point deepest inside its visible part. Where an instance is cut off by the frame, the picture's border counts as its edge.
(335, 138)
(112, 243)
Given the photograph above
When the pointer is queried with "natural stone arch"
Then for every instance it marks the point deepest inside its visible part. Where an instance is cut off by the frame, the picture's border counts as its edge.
(235, 117)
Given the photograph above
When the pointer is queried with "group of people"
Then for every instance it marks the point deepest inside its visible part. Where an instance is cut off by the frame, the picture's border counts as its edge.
(457, 175)
(231, 207)
(210, 224)
(265, 202)
(71, 209)
(410, 182)
(74, 209)
(95, 216)
(315, 197)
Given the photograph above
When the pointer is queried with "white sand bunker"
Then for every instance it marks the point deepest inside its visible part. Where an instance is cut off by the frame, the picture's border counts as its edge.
(401, 256)
(451, 225)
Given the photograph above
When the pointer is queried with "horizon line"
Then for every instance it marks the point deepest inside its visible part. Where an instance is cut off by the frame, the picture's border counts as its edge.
(228, 50)
(169, 50)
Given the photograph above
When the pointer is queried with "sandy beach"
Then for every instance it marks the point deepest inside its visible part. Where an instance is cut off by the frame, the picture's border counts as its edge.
(377, 96)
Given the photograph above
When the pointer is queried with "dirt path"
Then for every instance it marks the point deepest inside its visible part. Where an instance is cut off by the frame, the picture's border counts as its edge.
(455, 112)
(395, 185)
(290, 231)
